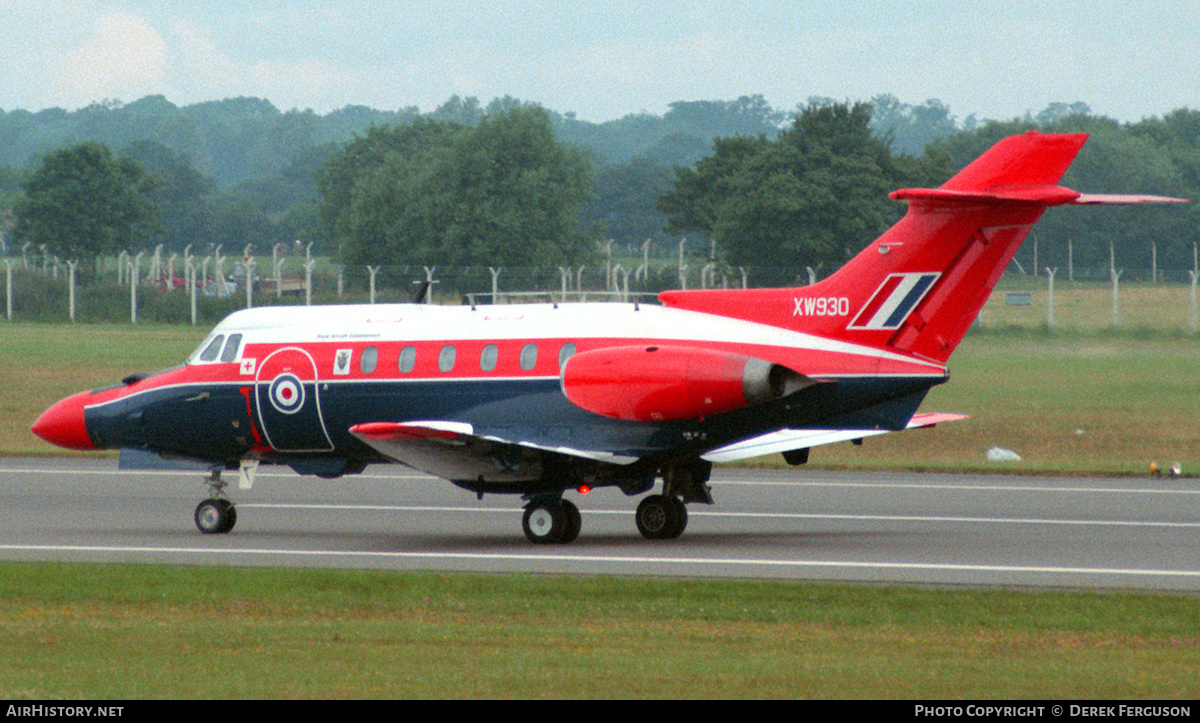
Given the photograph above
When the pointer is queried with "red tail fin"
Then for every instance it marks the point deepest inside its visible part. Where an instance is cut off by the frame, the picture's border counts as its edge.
(921, 284)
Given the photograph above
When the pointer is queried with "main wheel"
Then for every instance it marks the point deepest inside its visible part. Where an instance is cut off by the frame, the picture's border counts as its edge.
(661, 518)
(544, 522)
(574, 522)
(680, 517)
(215, 517)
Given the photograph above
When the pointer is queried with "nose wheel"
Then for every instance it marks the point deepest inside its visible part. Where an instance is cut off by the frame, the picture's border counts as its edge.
(216, 515)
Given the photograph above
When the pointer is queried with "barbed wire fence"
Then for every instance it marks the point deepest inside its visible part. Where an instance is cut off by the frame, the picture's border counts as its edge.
(158, 286)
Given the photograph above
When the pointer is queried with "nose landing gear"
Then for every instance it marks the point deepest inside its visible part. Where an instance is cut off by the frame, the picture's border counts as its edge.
(216, 515)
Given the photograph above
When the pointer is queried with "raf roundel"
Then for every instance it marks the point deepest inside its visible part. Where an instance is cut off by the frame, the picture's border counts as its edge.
(287, 393)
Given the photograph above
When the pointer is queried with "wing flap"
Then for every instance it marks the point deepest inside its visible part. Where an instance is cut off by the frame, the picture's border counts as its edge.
(786, 440)
(455, 451)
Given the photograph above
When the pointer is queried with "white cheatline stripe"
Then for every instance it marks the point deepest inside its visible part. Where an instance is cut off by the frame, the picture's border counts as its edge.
(534, 557)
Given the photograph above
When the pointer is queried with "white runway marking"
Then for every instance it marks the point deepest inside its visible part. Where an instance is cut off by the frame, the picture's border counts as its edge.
(745, 515)
(614, 559)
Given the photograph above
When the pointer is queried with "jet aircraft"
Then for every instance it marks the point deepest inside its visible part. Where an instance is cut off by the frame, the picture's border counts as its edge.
(538, 399)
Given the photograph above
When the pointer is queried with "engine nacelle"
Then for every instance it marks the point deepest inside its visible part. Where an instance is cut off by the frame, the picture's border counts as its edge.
(663, 383)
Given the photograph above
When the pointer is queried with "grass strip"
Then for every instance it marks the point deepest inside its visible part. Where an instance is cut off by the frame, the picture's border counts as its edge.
(141, 632)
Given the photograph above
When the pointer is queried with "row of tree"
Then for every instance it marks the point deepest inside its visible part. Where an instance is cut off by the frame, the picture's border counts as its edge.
(512, 184)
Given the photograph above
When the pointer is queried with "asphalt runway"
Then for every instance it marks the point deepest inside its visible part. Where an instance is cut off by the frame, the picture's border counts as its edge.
(992, 530)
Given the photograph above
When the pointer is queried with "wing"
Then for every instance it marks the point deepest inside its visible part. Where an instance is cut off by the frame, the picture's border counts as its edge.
(453, 450)
(786, 440)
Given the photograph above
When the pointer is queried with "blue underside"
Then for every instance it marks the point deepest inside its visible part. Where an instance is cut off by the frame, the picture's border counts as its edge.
(219, 424)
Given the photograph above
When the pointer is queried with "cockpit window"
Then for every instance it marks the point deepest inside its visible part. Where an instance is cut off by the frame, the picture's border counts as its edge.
(231, 348)
(214, 347)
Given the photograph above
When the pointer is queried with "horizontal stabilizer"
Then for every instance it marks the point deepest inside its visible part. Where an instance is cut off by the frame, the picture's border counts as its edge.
(1123, 199)
(786, 440)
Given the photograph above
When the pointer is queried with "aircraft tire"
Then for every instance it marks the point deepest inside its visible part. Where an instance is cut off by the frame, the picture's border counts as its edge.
(661, 518)
(680, 519)
(574, 522)
(544, 522)
(215, 517)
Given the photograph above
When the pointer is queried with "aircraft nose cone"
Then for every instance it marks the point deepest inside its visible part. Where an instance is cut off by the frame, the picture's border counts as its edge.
(62, 424)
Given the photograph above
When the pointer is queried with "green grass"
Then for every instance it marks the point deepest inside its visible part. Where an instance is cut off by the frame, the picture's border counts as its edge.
(126, 631)
(1078, 403)
(42, 363)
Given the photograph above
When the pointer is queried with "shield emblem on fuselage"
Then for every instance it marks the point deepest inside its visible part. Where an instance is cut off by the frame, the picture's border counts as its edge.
(289, 402)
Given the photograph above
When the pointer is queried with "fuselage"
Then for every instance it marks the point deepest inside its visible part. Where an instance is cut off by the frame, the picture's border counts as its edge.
(286, 384)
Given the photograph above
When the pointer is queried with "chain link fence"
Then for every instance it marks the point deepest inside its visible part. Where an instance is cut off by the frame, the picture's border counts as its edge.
(190, 289)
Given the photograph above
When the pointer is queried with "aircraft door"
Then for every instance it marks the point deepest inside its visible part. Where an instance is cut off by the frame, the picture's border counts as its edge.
(289, 404)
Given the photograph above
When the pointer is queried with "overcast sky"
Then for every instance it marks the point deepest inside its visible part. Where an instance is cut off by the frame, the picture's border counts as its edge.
(605, 59)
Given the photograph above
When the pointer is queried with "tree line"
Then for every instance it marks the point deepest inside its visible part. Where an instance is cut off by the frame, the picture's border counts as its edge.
(514, 184)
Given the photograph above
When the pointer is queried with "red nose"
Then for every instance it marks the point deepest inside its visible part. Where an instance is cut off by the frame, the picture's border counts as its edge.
(62, 424)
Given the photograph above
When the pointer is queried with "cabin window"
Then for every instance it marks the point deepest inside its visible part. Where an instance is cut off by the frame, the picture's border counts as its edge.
(566, 352)
(408, 359)
(368, 359)
(446, 358)
(214, 347)
(528, 356)
(489, 357)
(231, 348)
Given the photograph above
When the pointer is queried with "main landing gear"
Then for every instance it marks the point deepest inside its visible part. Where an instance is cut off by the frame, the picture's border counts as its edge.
(551, 520)
(660, 517)
(547, 521)
(216, 515)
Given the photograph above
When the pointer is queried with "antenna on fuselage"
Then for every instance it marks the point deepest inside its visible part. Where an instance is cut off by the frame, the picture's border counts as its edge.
(422, 293)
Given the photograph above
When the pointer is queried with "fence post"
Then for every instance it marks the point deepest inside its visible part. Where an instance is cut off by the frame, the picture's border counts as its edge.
(1050, 296)
(219, 271)
(190, 273)
(565, 274)
(1116, 292)
(1195, 311)
(279, 277)
(643, 271)
(496, 282)
(608, 278)
(135, 269)
(1116, 295)
(9, 287)
(308, 267)
(372, 270)
(682, 266)
(249, 263)
(71, 265)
